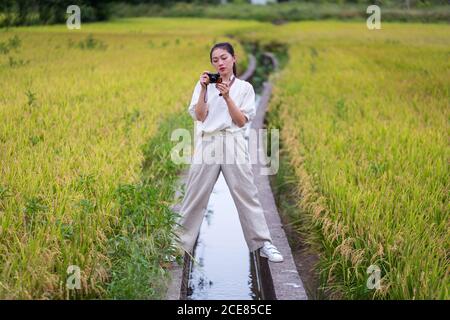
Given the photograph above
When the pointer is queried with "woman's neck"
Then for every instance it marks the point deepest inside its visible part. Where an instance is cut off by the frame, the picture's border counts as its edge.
(227, 77)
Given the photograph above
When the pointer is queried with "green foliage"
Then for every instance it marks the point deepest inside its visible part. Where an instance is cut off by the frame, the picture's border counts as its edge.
(278, 13)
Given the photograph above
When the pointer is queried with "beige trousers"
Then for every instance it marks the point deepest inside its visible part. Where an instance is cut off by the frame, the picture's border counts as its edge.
(231, 156)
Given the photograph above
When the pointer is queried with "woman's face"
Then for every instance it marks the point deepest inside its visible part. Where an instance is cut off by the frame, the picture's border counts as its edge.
(223, 61)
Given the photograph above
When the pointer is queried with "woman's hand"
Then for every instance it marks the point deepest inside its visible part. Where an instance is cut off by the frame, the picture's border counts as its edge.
(204, 79)
(224, 89)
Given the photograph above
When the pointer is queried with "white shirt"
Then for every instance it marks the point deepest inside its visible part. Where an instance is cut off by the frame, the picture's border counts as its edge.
(218, 117)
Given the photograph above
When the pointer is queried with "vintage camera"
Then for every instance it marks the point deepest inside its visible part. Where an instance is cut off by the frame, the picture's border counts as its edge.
(214, 78)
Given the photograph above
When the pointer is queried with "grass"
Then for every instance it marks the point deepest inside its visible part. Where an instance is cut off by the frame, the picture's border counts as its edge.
(84, 138)
(78, 186)
(364, 124)
(278, 13)
(141, 248)
(287, 11)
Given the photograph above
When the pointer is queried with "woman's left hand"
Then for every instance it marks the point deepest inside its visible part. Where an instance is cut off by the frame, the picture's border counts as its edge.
(224, 89)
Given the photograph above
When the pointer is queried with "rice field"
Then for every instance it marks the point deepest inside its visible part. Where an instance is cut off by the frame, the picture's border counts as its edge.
(363, 118)
(76, 109)
(364, 122)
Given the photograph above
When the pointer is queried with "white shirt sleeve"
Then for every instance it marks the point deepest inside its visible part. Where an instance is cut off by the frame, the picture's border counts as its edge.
(248, 107)
(194, 100)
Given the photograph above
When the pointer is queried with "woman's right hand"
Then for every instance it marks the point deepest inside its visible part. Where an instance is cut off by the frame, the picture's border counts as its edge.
(204, 79)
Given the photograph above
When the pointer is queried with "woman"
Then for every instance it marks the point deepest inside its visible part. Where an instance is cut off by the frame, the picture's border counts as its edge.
(222, 112)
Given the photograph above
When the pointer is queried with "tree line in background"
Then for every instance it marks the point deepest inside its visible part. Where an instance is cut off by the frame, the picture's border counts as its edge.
(28, 12)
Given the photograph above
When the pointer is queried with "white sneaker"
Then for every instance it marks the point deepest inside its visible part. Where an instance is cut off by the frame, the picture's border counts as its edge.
(271, 252)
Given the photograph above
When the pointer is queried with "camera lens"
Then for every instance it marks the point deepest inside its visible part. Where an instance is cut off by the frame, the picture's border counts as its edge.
(213, 77)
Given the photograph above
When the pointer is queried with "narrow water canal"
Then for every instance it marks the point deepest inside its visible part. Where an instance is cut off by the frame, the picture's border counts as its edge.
(225, 269)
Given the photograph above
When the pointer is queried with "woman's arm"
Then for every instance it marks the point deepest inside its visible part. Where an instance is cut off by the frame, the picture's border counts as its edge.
(238, 117)
(236, 114)
(201, 109)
